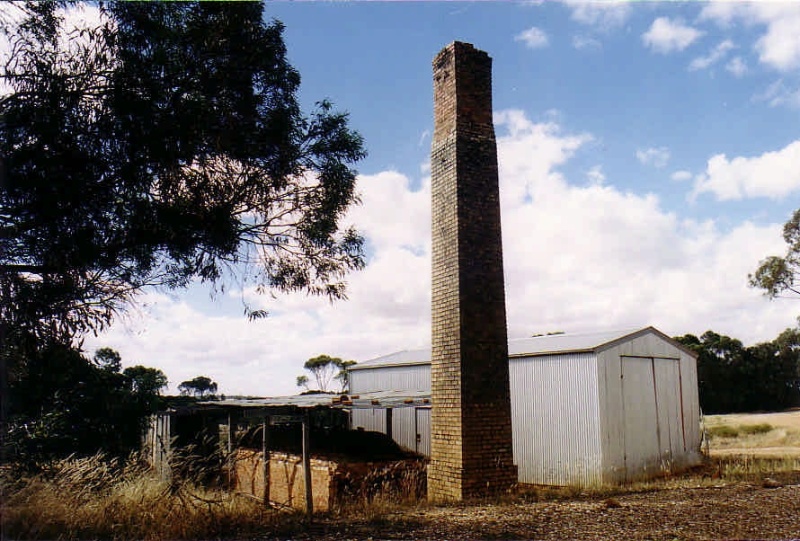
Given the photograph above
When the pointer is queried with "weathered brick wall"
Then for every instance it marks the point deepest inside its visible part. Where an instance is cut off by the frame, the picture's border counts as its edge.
(334, 483)
(286, 481)
(471, 454)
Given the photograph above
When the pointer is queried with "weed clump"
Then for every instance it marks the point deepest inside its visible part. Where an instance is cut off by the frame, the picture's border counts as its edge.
(760, 428)
(723, 431)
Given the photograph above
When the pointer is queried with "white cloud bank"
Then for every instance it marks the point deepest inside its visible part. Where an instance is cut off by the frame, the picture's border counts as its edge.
(577, 257)
(773, 175)
(666, 35)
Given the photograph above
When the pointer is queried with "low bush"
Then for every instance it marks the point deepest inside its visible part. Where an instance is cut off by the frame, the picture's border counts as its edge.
(723, 431)
(760, 428)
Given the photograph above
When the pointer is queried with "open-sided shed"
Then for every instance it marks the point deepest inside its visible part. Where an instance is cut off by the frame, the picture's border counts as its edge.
(604, 407)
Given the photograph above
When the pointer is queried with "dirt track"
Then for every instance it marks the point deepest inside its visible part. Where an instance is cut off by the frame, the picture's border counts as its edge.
(741, 511)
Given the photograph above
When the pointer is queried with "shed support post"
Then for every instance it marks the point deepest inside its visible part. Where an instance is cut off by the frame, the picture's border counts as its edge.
(307, 464)
(389, 423)
(229, 458)
(265, 456)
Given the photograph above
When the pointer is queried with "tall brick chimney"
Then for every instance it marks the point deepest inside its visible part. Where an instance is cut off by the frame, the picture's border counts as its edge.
(471, 453)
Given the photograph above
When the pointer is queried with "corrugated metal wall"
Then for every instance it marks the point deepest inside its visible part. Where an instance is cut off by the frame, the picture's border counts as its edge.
(391, 378)
(404, 427)
(423, 430)
(640, 435)
(411, 426)
(372, 420)
(555, 419)
(690, 409)
(650, 420)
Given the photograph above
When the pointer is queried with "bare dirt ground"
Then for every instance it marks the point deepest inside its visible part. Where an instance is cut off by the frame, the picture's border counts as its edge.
(725, 511)
(728, 498)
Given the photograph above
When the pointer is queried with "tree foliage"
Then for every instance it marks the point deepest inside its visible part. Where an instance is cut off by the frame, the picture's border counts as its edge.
(108, 359)
(735, 378)
(199, 387)
(325, 370)
(165, 145)
(777, 275)
(64, 404)
(144, 380)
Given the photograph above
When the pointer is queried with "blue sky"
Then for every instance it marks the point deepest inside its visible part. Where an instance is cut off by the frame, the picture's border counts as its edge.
(649, 155)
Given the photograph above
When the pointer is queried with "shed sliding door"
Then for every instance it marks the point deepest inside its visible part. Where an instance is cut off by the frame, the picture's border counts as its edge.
(652, 421)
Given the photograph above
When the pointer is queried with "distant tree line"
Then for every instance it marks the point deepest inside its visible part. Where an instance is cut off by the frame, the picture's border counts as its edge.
(737, 378)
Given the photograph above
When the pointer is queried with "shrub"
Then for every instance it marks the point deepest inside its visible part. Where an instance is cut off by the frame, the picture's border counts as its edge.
(723, 431)
(761, 428)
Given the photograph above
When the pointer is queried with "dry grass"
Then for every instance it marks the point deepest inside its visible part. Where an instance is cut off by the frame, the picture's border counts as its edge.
(772, 435)
(96, 498)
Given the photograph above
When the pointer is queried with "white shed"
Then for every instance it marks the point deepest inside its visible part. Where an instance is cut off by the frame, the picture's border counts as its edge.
(594, 408)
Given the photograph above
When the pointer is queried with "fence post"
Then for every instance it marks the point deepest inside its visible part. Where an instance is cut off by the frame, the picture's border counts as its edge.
(307, 464)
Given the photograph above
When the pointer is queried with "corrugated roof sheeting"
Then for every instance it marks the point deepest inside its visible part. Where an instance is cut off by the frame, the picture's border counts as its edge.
(559, 343)
(390, 399)
(523, 347)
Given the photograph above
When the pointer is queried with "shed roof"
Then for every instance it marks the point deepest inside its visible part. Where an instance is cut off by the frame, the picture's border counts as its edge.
(391, 399)
(551, 344)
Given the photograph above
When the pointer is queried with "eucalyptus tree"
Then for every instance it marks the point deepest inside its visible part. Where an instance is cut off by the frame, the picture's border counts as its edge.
(164, 144)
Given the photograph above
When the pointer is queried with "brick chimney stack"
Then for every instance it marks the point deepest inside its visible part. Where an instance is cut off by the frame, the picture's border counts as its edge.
(471, 448)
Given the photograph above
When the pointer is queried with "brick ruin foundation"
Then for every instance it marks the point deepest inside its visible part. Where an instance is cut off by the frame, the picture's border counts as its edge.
(336, 482)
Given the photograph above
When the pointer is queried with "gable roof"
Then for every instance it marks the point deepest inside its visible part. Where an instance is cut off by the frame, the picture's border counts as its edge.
(591, 342)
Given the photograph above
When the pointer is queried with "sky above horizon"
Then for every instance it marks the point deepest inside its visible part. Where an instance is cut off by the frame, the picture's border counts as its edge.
(649, 155)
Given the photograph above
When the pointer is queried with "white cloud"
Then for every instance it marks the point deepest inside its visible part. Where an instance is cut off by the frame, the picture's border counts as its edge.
(715, 55)
(584, 43)
(657, 157)
(736, 66)
(595, 175)
(666, 36)
(533, 38)
(605, 15)
(779, 45)
(577, 257)
(773, 175)
(424, 137)
(778, 94)
(681, 176)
